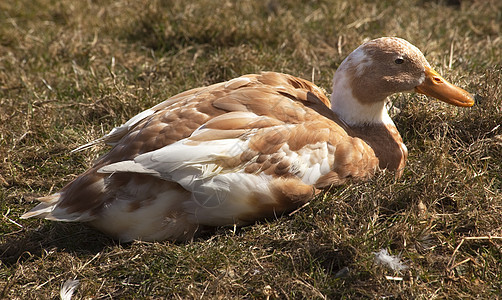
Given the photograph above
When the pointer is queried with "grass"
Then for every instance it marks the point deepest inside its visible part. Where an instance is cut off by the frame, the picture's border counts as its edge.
(72, 70)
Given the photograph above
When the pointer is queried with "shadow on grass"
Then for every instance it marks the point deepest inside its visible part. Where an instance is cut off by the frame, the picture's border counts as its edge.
(69, 237)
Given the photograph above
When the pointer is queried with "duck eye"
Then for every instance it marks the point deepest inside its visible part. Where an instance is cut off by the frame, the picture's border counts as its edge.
(399, 61)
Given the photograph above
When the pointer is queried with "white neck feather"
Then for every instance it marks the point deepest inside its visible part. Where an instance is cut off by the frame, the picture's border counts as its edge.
(351, 110)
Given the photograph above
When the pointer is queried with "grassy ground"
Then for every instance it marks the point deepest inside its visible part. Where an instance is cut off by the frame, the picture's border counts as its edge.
(72, 70)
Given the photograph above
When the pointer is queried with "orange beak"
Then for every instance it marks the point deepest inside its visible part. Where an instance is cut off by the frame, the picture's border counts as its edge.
(436, 86)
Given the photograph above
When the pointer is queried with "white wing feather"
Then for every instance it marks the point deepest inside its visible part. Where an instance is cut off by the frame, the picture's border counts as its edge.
(182, 161)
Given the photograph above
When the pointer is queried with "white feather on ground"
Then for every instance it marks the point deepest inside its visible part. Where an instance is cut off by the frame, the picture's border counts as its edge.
(68, 288)
(383, 257)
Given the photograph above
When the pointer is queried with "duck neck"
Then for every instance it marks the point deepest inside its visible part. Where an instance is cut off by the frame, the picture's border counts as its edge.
(352, 110)
(370, 122)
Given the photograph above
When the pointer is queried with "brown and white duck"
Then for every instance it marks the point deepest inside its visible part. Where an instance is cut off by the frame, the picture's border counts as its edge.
(253, 147)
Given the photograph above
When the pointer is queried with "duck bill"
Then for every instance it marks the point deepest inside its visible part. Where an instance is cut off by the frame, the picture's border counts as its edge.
(436, 86)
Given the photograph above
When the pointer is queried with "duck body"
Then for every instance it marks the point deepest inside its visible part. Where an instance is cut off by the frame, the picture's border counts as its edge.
(253, 147)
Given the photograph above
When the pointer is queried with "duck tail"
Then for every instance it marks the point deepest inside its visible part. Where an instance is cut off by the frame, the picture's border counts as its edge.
(45, 208)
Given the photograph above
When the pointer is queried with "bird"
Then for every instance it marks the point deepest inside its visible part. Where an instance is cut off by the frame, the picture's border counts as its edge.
(257, 146)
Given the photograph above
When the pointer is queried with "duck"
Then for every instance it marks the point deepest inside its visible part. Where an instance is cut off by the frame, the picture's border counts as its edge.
(254, 147)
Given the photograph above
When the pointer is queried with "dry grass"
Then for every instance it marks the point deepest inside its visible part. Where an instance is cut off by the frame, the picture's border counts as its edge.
(71, 70)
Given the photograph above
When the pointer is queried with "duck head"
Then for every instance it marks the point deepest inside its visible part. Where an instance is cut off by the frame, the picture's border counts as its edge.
(380, 68)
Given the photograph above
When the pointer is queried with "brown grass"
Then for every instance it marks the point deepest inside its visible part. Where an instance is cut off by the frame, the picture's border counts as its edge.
(71, 70)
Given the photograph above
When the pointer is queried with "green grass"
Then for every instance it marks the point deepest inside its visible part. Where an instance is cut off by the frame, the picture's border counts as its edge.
(72, 70)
